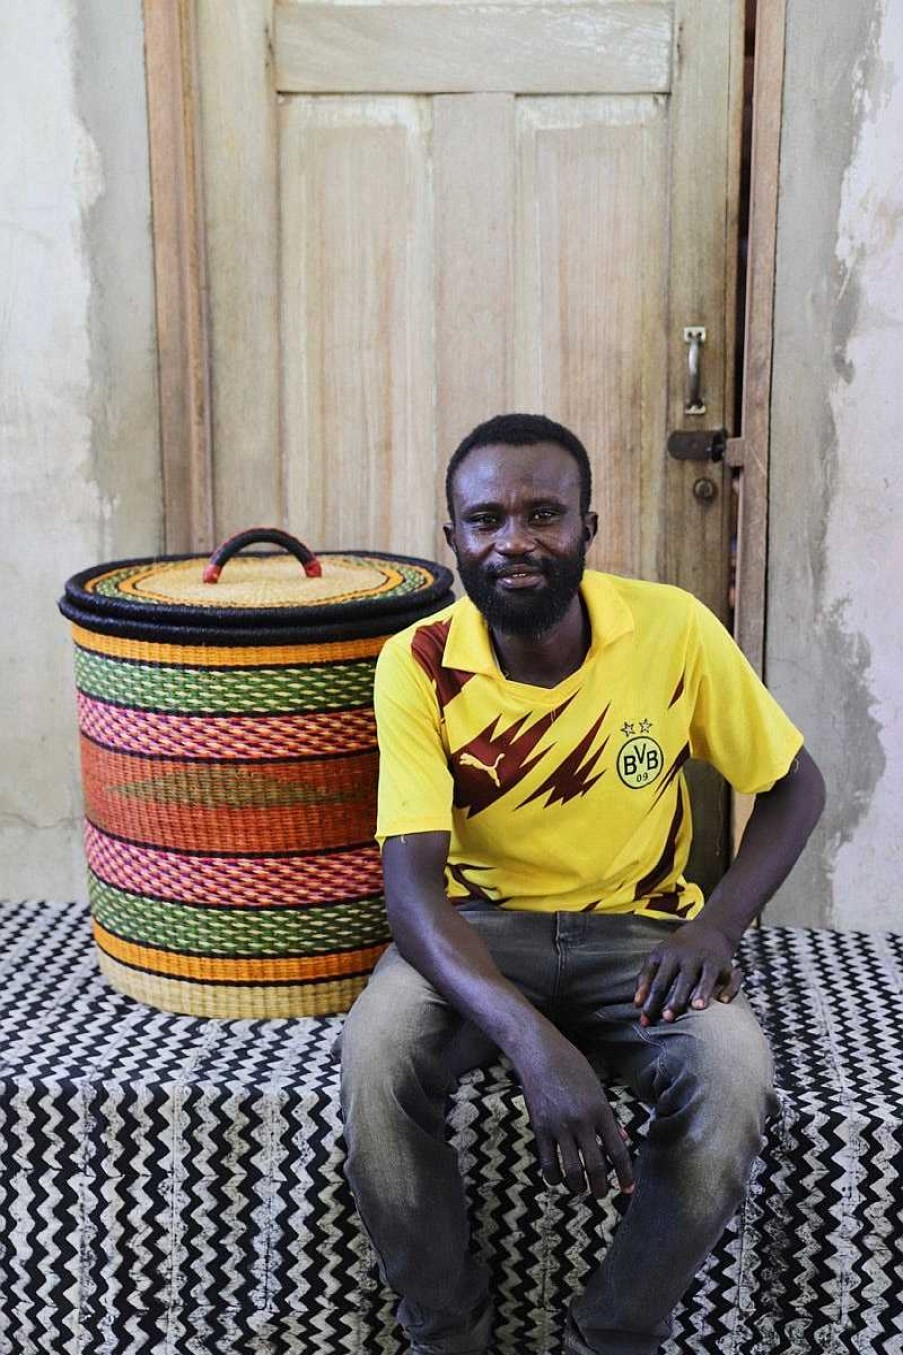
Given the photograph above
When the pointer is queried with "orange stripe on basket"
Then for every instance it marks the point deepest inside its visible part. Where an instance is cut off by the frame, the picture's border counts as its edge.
(214, 807)
(218, 656)
(211, 970)
(234, 831)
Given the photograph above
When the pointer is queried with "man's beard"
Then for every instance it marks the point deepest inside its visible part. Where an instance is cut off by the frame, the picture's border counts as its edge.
(525, 612)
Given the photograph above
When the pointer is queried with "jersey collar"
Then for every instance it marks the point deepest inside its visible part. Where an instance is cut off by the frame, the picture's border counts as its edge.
(468, 647)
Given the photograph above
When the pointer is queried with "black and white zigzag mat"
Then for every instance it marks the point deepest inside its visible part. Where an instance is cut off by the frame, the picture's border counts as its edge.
(173, 1186)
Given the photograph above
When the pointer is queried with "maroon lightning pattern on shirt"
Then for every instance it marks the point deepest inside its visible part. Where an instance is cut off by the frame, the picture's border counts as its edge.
(573, 776)
(428, 646)
(496, 760)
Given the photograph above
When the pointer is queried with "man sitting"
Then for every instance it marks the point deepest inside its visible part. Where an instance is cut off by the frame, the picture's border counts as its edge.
(535, 826)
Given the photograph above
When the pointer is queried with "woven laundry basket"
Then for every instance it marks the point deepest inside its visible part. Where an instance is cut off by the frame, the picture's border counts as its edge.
(229, 763)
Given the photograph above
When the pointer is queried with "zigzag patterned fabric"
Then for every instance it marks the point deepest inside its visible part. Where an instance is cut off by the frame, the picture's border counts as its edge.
(173, 1186)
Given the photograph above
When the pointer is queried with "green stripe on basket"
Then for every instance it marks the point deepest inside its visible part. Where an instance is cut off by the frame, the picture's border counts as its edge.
(194, 691)
(220, 786)
(246, 932)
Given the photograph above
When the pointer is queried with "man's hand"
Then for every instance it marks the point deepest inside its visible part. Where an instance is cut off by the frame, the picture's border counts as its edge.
(577, 1136)
(569, 1111)
(689, 969)
(694, 965)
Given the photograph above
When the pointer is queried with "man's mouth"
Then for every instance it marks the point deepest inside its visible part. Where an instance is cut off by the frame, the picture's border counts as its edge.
(518, 576)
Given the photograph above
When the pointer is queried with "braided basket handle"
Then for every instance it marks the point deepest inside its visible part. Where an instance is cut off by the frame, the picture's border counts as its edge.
(255, 536)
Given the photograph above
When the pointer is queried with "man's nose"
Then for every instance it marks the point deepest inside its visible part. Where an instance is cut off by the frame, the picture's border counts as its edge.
(515, 538)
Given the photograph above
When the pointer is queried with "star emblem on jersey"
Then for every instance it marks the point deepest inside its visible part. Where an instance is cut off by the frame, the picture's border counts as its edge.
(645, 726)
(627, 729)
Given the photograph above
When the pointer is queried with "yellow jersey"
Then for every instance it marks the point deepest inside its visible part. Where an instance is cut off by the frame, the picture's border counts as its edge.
(572, 797)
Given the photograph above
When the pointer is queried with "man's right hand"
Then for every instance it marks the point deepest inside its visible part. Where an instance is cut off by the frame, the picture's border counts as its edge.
(577, 1136)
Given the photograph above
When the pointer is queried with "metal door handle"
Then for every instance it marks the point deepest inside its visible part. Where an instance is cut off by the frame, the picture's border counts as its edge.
(694, 337)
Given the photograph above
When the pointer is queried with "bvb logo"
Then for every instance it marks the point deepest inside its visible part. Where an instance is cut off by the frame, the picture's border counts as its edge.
(640, 761)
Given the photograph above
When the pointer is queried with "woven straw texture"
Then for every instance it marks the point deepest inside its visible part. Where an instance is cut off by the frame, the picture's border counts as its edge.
(229, 763)
(230, 816)
(269, 581)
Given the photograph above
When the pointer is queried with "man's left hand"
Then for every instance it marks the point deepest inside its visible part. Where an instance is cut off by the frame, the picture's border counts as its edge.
(689, 969)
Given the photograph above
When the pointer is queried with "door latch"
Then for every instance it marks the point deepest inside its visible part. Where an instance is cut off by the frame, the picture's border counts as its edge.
(702, 444)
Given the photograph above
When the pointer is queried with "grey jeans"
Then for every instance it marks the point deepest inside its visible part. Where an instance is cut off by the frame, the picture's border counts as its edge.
(706, 1076)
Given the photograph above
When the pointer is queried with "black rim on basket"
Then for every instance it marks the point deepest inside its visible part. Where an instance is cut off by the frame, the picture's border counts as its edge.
(180, 623)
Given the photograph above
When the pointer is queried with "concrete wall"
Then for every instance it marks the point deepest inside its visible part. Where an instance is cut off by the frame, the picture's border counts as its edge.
(80, 469)
(835, 542)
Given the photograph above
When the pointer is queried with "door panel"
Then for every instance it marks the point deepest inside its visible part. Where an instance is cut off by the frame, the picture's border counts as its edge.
(580, 289)
(357, 332)
(238, 156)
(475, 181)
(619, 45)
(419, 214)
(591, 261)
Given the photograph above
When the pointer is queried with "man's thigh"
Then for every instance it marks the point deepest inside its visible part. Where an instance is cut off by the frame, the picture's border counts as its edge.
(722, 1048)
(400, 1026)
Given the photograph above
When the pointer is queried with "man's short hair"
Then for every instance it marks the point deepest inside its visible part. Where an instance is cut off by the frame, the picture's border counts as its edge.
(521, 430)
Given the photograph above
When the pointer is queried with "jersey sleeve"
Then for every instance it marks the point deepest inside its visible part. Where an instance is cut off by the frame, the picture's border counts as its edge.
(736, 724)
(415, 784)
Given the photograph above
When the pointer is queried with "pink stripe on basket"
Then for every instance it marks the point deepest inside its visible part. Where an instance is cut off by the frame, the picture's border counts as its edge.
(240, 882)
(226, 736)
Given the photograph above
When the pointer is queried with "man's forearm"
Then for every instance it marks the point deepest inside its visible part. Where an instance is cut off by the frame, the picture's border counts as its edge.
(442, 946)
(776, 834)
(577, 1134)
(452, 955)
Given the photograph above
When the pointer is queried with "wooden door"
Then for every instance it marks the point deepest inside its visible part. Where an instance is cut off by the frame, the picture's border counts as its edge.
(419, 213)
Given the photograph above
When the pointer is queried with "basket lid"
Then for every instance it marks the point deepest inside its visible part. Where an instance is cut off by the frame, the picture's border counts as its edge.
(256, 598)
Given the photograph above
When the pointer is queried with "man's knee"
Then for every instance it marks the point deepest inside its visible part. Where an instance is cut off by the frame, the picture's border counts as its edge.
(403, 1050)
(385, 1033)
(738, 1068)
(717, 1081)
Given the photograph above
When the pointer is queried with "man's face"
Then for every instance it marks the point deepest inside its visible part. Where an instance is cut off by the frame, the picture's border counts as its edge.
(518, 534)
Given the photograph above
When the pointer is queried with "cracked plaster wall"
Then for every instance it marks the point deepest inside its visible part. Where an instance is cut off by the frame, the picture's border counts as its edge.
(835, 545)
(79, 439)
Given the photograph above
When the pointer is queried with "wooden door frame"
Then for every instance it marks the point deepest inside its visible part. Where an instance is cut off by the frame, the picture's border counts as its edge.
(750, 451)
(183, 326)
(183, 338)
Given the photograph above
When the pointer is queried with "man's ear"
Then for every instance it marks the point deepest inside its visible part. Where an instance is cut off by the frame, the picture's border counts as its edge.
(590, 526)
(449, 530)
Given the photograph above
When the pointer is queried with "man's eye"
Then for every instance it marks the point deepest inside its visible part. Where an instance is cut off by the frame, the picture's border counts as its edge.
(483, 520)
(545, 514)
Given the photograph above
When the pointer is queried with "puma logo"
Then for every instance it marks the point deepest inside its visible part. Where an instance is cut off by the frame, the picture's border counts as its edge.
(468, 760)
